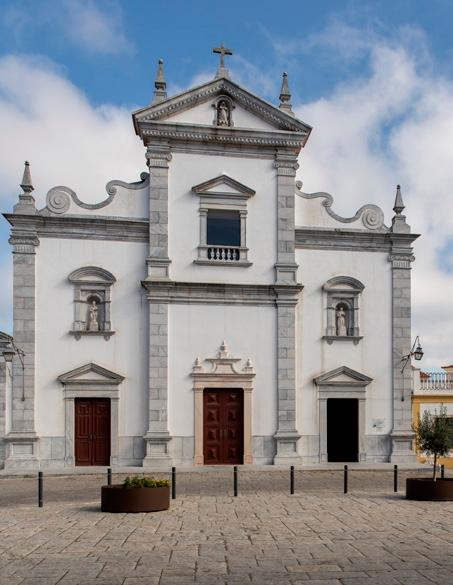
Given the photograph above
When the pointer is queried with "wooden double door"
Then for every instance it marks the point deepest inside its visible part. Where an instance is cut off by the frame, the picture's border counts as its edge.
(223, 426)
(92, 431)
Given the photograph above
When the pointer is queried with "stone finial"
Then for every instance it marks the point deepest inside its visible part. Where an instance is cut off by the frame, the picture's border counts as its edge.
(26, 183)
(399, 205)
(285, 96)
(399, 224)
(223, 353)
(160, 93)
(197, 367)
(248, 368)
(222, 71)
(26, 203)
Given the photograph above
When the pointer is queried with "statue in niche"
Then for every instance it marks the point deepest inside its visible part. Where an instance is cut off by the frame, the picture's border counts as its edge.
(223, 114)
(340, 316)
(93, 322)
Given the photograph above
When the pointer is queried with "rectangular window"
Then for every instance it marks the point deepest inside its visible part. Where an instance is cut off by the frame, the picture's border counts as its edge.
(450, 432)
(223, 228)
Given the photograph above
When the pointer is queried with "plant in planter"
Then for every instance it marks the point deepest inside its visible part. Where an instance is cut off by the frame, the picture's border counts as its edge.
(136, 494)
(432, 439)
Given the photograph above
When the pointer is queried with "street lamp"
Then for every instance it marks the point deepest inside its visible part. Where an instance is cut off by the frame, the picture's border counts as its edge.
(417, 352)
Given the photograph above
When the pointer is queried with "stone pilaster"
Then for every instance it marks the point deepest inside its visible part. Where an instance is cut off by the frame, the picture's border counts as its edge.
(286, 268)
(157, 436)
(286, 436)
(287, 291)
(22, 439)
(402, 434)
(158, 158)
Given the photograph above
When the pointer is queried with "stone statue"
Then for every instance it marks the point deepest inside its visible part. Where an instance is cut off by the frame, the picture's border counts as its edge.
(223, 114)
(93, 323)
(341, 322)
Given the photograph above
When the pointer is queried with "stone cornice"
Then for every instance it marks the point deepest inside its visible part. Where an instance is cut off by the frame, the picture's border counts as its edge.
(93, 227)
(150, 131)
(350, 239)
(191, 98)
(219, 294)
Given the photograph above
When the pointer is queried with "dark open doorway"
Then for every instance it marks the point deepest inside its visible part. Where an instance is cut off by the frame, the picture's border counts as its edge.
(342, 429)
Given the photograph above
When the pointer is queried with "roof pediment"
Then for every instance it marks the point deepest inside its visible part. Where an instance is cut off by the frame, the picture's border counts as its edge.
(223, 186)
(343, 376)
(164, 110)
(90, 373)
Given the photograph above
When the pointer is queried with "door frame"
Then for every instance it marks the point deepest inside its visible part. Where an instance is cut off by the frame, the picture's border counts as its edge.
(343, 382)
(223, 375)
(102, 383)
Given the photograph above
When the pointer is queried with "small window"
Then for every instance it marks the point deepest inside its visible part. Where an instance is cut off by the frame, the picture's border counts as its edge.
(224, 228)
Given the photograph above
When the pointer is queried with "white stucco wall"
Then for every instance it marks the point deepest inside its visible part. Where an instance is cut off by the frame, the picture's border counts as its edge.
(58, 352)
(372, 355)
(198, 331)
(187, 170)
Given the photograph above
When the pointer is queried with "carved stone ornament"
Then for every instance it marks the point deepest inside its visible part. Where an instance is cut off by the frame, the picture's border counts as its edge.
(223, 112)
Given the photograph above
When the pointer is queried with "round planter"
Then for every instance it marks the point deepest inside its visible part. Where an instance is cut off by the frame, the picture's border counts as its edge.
(116, 498)
(424, 488)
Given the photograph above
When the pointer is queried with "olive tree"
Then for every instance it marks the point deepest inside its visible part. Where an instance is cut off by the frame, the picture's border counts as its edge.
(431, 435)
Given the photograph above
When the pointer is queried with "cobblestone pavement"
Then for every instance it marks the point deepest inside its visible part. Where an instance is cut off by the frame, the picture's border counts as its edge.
(319, 536)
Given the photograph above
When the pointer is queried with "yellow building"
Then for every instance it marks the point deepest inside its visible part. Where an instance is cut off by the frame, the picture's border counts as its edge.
(433, 390)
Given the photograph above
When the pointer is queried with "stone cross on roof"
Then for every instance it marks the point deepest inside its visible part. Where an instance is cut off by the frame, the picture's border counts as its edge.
(222, 71)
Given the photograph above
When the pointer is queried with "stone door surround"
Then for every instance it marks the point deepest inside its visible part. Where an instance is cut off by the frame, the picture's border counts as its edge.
(90, 381)
(342, 382)
(222, 375)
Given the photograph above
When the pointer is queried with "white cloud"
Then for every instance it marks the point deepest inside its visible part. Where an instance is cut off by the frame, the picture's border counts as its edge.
(50, 122)
(95, 27)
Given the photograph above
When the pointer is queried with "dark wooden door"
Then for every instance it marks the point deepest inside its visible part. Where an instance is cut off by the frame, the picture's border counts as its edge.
(92, 431)
(342, 429)
(223, 426)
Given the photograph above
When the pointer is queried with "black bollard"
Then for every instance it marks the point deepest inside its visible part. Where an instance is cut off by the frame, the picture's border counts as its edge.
(235, 481)
(395, 478)
(442, 472)
(291, 480)
(345, 483)
(173, 483)
(40, 489)
(109, 476)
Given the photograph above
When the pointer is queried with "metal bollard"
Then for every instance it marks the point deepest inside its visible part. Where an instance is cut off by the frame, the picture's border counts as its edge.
(345, 480)
(291, 480)
(235, 481)
(442, 472)
(173, 483)
(395, 478)
(40, 489)
(109, 476)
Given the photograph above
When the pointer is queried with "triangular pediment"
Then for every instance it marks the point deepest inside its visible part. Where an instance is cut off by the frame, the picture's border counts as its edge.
(5, 338)
(343, 376)
(223, 185)
(168, 110)
(90, 372)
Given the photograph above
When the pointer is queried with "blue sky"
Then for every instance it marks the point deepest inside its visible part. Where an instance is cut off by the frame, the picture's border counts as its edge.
(375, 79)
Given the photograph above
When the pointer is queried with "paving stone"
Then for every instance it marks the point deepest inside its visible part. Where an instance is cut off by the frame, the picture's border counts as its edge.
(318, 536)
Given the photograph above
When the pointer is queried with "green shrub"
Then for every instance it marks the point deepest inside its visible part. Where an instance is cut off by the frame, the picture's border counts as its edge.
(144, 482)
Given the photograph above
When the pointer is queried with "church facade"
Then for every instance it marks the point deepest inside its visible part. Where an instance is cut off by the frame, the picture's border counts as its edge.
(211, 312)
